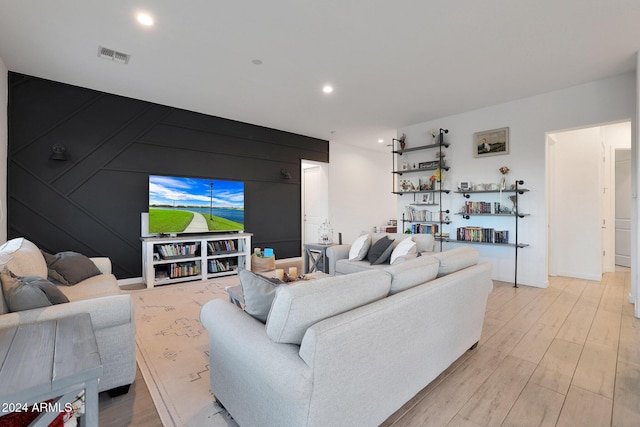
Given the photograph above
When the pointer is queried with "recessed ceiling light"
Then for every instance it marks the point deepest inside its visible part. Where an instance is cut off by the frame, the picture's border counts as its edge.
(327, 89)
(145, 19)
(257, 61)
(380, 141)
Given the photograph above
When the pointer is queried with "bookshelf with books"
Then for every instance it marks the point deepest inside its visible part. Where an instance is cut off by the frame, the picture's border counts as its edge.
(193, 257)
(485, 234)
(425, 213)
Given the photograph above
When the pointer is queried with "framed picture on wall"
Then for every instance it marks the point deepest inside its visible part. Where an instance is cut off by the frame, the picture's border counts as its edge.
(492, 142)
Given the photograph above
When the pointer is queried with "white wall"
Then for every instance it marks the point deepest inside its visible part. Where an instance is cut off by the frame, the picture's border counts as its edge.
(360, 190)
(529, 119)
(3, 150)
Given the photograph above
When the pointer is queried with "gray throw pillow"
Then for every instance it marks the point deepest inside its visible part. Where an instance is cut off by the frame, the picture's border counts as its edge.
(27, 292)
(380, 251)
(259, 293)
(69, 268)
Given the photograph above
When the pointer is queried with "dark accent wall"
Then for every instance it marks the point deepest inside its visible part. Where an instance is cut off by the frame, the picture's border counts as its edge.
(92, 202)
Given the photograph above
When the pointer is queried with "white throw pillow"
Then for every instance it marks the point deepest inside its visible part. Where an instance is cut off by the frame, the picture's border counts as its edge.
(405, 247)
(360, 247)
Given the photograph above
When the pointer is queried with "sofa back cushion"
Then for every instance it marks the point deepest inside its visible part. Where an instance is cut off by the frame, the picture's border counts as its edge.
(412, 273)
(23, 258)
(360, 248)
(258, 292)
(405, 249)
(299, 306)
(456, 259)
(424, 242)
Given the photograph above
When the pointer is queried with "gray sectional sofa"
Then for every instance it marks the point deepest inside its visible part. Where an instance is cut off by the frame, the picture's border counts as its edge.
(111, 311)
(338, 255)
(347, 350)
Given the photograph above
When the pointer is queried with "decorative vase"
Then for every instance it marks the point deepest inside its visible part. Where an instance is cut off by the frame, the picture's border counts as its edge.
(503, 183)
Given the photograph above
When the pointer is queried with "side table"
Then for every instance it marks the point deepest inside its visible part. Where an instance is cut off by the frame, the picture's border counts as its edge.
(54, 359)
(315, 257)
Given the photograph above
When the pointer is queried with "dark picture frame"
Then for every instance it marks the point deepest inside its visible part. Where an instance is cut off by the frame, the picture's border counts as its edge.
(492, 142)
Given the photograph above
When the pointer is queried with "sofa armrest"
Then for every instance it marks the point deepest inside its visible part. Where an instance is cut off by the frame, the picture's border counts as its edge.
(335, 253)
(103, 264)
(256, 379)
(105, 312)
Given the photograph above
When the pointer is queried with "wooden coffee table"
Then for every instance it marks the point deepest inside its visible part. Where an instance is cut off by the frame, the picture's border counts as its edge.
(54, 359)
(237, 297)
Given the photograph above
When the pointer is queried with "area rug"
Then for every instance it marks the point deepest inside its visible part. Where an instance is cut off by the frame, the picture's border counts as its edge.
(173, 352)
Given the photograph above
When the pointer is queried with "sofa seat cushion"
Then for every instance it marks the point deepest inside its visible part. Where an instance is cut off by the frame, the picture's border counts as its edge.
(27, 292)
(23, 258)
(412, 273)
(93, 287)
(456, 259)
(344, 266)
(299, 306)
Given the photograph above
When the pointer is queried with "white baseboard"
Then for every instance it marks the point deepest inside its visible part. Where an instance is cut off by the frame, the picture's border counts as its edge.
(577, 275)
(130, 281)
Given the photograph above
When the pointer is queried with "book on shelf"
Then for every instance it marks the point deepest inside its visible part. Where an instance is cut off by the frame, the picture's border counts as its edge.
(183, 269)
(482, 235)
(177, 249)
(479, 208)
(425, 229)
(221, 246)
(216, 266)
(414, 215)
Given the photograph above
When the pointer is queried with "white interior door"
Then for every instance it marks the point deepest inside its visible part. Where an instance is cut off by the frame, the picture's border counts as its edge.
(623, 207)
(312, 204)
(575, 216)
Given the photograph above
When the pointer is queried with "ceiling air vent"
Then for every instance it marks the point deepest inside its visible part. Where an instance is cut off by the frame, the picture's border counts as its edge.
(113, 55)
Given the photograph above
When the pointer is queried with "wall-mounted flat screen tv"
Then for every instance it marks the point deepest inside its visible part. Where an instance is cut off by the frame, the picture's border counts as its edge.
(194, 205)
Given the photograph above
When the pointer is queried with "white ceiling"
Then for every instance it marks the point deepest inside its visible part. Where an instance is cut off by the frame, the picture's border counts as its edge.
(392, 63)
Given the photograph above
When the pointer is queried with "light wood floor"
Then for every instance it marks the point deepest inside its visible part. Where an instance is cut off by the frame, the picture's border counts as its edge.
(568, 355)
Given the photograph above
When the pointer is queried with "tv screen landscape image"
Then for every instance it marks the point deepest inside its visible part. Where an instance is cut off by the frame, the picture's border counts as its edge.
(194, 205)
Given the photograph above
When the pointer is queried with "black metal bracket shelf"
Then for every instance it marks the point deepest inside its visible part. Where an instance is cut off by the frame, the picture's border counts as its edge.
(469, 215)
(517, 191)
(439, 145)
(400, 172)
(421, 192)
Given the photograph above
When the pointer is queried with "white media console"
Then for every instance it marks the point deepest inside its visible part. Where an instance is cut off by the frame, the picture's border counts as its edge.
(193, 257)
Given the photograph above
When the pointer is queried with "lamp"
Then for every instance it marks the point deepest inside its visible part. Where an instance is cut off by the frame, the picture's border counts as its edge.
(58, 152)
(285, 174)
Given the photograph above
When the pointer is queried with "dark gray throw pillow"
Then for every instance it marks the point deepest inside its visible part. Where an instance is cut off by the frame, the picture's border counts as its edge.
(259, 293)
(69, 268)
(27, 292)
(380, 251)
